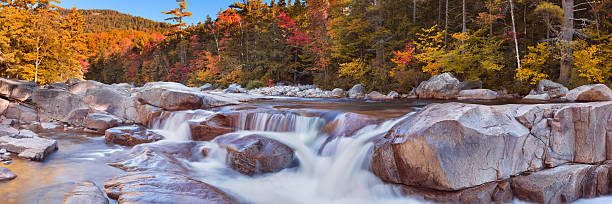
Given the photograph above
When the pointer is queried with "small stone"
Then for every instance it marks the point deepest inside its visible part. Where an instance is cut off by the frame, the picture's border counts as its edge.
(6, 174)
(8, 162)
(2, 151)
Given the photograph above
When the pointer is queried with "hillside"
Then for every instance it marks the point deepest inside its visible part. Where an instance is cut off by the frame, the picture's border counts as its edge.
(102, 20)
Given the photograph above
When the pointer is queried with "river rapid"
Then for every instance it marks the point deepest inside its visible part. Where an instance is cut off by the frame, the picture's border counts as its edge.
(329, 170)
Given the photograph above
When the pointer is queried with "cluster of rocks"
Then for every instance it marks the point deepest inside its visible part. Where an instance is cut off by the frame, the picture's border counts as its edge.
(25, 143)
(547, 90)
(546, 153)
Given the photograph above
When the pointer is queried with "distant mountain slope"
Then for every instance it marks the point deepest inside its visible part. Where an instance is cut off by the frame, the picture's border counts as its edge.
(97, 21)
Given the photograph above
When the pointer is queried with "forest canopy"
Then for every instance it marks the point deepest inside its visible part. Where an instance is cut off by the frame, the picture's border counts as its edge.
(382, 44)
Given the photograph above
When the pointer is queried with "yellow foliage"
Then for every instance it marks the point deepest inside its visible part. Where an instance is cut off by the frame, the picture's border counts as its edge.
(590, 64)
(533, 64)
(355, 69)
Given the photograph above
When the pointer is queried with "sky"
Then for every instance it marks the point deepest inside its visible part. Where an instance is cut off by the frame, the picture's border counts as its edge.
(151, 8)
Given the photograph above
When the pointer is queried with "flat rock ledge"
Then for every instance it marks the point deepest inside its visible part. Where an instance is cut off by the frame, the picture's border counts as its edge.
(35, 148)
(85, 193)
(152, 187)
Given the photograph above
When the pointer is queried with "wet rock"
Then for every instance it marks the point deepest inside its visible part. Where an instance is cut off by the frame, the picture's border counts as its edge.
(563, 184)
(25, 134)
(356, 91)
(130, 136)
(454, 146)
(375, 95)
(554, 90)
(477, 94)
(21, 113)
(593, 92)
(443, 86)
(537, 97)
(206, 87)
(149, 187)
(101, 121)
(36, 149)
(17, 89)
(49, 126)
(338, 93)
(209, 128)
(162, 156)
(53, 104)
(85, 193)
(235, 88)
(169, 99)
(503, 192)
(347, 124)
(146, 113)
(254, 154)
(6, 174)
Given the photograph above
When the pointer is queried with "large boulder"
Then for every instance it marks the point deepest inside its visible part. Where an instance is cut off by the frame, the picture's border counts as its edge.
(209, 128)
(593, 92)
(357, 91)
(170, 99)
(6, 174)
(76, 117)
(443, 86)
(563, 184)
(130, 136)
(486, 193)
(36, 148)
(150, 187)
(554, 90)
(17, 89)
(21, 113)
(101, 121)
(455, 146)
(338, 93)
(85, 193)
(73, 81)
(54, 104)
(254, 154)
(477, 94)
(147, 113)
(108, 99)
(82, 86)
(159, 156)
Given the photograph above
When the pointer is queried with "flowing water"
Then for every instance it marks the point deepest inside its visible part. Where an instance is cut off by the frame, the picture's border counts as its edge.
(330, 170)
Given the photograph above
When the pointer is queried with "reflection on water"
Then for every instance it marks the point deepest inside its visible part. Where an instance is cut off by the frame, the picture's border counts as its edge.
(80, 158)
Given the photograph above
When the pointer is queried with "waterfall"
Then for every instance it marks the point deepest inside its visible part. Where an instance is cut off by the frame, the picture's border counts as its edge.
(174, 125)
(343, 176)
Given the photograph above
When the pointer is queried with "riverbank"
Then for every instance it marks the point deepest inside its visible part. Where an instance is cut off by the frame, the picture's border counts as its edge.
(221, 143)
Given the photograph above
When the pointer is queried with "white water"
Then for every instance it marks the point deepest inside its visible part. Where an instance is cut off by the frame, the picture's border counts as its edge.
(174, 126)
(342, 176)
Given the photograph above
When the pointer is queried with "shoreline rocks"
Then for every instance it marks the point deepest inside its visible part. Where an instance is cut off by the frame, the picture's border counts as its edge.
(85, 192)
(153, 187)
(6, 174)
(130, 136)
(455, 146)
(35, 149)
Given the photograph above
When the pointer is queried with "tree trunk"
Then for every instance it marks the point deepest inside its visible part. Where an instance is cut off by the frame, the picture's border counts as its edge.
(414, 11)
(567, 35)
(446, 23)
(464, 29)
(379, 45)
(439, 12)
(518, 58)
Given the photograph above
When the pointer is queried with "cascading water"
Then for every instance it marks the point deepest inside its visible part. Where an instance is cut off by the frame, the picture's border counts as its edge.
(342, 175)
(174, 126)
